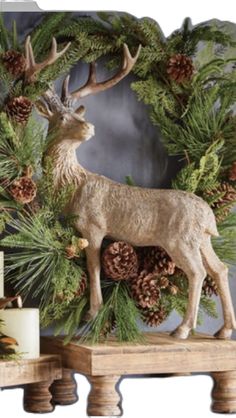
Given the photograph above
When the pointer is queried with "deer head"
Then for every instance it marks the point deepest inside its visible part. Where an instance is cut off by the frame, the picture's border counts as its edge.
(68, 122)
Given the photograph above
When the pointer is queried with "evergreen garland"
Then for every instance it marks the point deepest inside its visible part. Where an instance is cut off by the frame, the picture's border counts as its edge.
(194, 112)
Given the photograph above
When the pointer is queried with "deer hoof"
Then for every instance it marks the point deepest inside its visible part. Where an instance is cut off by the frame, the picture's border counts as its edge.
(181, 332)
(224, 333)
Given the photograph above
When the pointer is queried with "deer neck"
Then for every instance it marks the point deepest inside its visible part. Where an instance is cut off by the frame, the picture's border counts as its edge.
(66, 169)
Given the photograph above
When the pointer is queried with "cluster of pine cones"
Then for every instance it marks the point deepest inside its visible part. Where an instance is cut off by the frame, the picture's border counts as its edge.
(149, 271)
(17, 108)
(23, 189)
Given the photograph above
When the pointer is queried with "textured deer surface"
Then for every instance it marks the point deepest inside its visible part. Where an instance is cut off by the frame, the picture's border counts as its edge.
(180, 222)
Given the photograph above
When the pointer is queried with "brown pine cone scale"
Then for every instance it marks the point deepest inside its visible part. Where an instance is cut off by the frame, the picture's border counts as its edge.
(14, 62)
(119, 261)
(209, 287)
(19, 109)
(154, 317)
(180, 68)
(145, 290)
(23, 190)
(155, 259)
(232, 172)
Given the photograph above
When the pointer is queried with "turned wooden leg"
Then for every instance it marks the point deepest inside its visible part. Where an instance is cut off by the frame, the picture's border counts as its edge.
(64, 391)
(104, 398)
(224, 392)
(37, 397)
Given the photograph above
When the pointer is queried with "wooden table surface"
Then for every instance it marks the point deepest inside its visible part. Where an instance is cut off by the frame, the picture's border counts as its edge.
(21, 372)
(160, 353)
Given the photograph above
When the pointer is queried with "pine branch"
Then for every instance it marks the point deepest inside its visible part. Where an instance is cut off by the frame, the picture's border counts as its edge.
(119, 307)
(41, 36)
(42, 243)
(205, 177)
(225, 244)
(4, 40)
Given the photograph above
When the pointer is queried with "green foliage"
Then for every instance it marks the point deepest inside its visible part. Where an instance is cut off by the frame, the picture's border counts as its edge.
(19, 147)
(41, 36)
(179, 302)
(186, 39)
(225, 244)
(154, 93)
(205, 177)
(69, 316)
(206, 121)
(42, 243)
(129, 180)
(118, 307)
(54, 200)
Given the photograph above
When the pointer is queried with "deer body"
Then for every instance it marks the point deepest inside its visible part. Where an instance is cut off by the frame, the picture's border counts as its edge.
(180, 222)
(165, 210)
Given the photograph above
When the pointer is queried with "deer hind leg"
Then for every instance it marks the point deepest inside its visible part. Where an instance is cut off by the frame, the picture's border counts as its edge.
(219, 273)
(94, 267)
(190, 261)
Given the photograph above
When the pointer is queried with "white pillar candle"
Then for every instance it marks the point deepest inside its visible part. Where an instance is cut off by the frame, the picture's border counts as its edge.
(1, 274)
(23, 325)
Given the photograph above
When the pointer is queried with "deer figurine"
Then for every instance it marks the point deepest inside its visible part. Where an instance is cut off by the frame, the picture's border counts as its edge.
(177, 221)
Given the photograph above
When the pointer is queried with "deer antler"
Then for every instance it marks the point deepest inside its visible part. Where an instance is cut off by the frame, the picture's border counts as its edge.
(32, 68)
(92, 86)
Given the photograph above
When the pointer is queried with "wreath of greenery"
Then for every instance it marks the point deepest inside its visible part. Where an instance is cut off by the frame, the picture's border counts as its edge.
(190, 100)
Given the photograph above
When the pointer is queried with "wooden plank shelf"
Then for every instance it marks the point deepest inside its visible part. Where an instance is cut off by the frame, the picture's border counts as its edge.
(36, 376)
(105, 364)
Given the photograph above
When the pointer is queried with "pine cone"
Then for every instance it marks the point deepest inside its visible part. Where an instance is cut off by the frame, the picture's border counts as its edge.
(7, 345)
(14, 62)
(145, 290)
(232, 172)
(155, 316)
(225, 202)
(19, 109)
(71, 251)
(109, 327)
(82, 285)
(23, 190)
(173, 289)
(180, 68)
(155, 259)
(120, 261)
(209, 287)
(82, 243)
(163, 282)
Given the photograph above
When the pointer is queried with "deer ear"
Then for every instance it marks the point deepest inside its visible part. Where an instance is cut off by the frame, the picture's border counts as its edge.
(43, 109)
(80, 111)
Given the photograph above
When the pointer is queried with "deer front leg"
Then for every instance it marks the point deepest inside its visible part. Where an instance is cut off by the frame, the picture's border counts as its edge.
(94, 268)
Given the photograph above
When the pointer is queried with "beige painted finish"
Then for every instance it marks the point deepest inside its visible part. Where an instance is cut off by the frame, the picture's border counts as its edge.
(180, 222)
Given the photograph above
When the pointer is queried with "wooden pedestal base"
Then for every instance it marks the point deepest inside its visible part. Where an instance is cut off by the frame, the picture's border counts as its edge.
(64, 391)
(103, 399)
(37, 397)
(224, 392)
(161, 354)
(36, 376)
